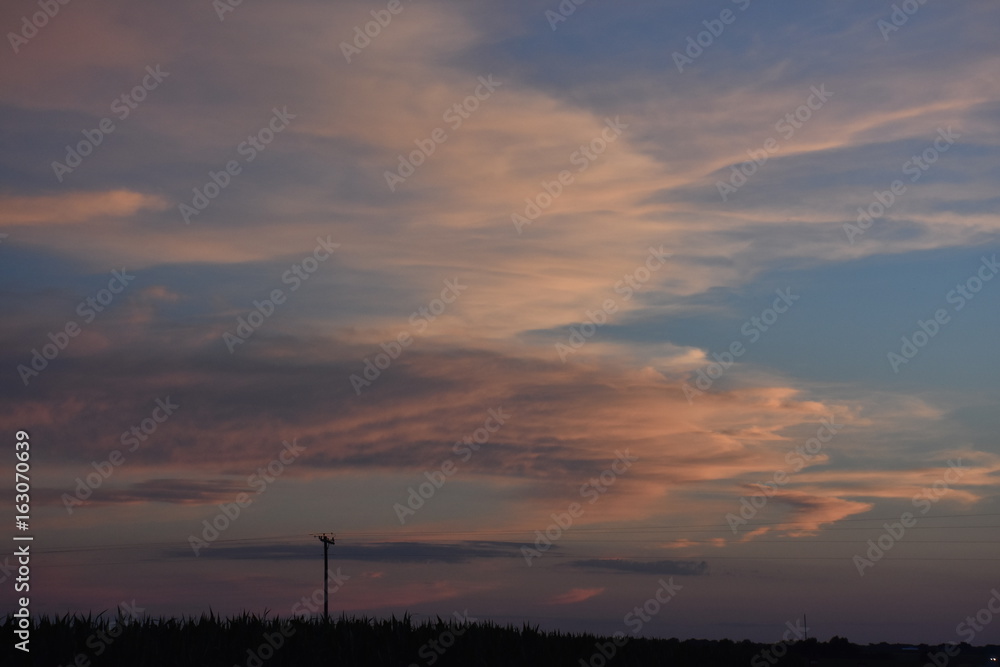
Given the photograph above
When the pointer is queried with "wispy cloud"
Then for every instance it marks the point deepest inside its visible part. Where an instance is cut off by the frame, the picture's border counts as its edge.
(659, 567)
(576, 595)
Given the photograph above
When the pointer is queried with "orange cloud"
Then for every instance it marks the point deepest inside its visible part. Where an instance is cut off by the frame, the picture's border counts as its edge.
(76, 207)
(576, 595)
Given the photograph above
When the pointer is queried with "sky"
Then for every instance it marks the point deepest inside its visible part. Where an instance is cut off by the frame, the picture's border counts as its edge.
(537, 306)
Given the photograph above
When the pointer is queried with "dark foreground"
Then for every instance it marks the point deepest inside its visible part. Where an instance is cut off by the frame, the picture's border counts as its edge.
(251, 641)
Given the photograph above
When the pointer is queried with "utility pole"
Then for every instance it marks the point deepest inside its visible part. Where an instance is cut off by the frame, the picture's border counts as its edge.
(327, 539)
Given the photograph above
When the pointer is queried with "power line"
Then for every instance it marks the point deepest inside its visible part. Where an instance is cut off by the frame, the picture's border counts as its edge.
(555, 556)
(400, 536)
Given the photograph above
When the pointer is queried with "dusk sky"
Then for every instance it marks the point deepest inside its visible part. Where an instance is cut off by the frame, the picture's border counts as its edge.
(703, 290)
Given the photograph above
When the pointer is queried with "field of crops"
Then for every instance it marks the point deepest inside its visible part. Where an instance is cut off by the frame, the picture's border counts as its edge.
(253, 641)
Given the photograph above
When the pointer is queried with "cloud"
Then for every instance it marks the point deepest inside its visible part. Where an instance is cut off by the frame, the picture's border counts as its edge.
(809, 513)
(685, 543)
(388, 552)
(566, 424)
(659, 567)
(175, 491)
(453, 216)
(575, 595)
(98, 208)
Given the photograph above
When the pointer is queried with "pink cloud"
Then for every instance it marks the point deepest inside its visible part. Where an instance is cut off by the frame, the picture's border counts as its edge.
(576, 595)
